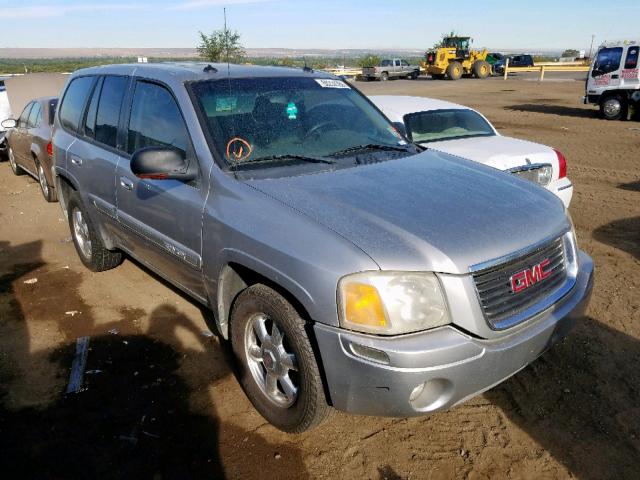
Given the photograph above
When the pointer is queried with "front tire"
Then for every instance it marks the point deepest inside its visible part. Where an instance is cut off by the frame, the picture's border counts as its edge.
(454, 71)
(15, 168)
(277, 368)
(88, 244)
(614, 107)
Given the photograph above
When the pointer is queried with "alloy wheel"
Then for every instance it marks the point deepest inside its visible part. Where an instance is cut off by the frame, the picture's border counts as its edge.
(272, 365)
(81, 233)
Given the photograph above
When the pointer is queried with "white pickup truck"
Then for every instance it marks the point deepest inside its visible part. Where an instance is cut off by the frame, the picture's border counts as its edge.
(391, 68)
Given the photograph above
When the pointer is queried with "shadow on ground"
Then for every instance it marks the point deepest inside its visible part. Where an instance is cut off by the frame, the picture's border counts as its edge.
(580, 402)
(623, 234)
(631, 186)
(134, 417)
(553, 110)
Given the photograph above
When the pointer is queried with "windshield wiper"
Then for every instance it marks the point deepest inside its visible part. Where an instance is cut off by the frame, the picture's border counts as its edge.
(280, 158)
(370, 146)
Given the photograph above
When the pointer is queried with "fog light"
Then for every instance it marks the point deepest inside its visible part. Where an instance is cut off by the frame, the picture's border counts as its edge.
(431, 395)
(368, 353)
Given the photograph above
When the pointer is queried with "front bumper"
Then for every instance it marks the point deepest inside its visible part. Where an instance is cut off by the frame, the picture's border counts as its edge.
(434, 370)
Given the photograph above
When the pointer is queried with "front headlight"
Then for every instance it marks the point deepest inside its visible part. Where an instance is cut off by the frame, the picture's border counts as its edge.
(391, 303)
(545, 174)
(571, 249)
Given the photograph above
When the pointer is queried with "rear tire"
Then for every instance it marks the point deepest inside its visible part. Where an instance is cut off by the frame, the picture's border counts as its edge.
(614, 107)
(414, 75)
(277, 368)
(454, 71)
(384, 76)
(481, 69)
(15, 168)
(85, 237)
(48, 192)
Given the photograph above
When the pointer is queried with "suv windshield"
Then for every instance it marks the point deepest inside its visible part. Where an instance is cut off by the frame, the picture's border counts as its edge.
(435, 125)
(265, 119)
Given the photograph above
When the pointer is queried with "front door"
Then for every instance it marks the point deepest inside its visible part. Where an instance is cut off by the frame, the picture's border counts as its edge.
(19, 136)
(161, 220)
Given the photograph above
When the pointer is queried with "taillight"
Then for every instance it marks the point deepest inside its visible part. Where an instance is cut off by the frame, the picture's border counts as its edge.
(50, 149)
(562, 164)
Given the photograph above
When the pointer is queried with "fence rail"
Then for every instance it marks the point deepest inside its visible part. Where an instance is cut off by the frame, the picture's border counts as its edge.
(545, 67)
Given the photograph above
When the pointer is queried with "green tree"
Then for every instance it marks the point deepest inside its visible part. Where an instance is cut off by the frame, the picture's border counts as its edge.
(369, 60)
(570, 52)
(220, 45)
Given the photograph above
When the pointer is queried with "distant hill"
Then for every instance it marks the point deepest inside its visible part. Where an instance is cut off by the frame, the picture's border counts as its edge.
(31, 53)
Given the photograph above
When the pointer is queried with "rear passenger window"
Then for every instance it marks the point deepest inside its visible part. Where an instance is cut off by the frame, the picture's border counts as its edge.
(34, 116)
(155, 120)
(111, 95)
(74, 101)
(632, 58)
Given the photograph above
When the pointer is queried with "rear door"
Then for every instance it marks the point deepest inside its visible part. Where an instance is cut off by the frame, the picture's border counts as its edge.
(33, 122)
(94, 157)
(161, 219)
(630, 76)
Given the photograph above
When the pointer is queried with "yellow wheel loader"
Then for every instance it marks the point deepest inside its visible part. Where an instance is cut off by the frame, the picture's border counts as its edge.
(454, 58)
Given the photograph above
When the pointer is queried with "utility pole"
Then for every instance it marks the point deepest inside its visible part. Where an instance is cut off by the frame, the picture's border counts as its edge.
(591, 47)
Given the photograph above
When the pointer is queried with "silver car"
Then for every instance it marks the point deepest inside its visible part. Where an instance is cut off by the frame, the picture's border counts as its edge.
(347, 267)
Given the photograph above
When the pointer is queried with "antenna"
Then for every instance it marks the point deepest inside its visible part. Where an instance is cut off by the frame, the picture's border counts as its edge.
(234, 164)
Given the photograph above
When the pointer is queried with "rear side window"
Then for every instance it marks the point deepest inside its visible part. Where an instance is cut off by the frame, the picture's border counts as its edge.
(35, 115)
(74, 101)
(632, 58)
(108, 114)
(607, 61)
(155, 120)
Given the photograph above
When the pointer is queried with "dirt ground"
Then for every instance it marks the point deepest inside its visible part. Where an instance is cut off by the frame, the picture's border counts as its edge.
(161, 400)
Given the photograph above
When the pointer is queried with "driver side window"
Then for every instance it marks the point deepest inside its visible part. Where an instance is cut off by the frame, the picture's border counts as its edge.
(155, 120)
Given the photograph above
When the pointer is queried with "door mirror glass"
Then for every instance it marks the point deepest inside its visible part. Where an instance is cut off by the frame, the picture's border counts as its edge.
(9, 123)
(161, 163)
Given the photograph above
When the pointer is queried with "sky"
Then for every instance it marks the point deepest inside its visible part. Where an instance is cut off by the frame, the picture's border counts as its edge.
(331, 24)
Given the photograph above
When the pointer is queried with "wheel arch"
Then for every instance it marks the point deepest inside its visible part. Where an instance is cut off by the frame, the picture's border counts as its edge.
(234, 278)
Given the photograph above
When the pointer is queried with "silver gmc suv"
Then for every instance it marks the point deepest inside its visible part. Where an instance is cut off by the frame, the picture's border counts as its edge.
(346, 266)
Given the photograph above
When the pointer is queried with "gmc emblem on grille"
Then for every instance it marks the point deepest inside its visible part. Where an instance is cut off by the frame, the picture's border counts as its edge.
(530, 276)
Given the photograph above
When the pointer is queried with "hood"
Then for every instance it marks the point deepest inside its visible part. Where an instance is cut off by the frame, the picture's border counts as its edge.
(497, 151)
(427, 212)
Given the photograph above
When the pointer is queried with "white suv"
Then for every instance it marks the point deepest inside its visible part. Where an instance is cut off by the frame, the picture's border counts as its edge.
(613, 82)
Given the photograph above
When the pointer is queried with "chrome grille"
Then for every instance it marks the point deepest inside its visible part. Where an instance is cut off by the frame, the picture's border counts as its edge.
(493, 284)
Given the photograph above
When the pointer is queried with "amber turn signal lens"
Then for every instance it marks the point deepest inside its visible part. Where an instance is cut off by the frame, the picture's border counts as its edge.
(363, 305)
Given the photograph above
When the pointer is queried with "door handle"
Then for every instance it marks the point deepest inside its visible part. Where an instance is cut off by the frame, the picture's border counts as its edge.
(76, 161)
(126, 183)
(615, 75)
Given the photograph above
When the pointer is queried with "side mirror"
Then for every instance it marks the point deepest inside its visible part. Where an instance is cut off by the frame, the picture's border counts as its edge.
(161, 163)
(9, 123)
(401, 128)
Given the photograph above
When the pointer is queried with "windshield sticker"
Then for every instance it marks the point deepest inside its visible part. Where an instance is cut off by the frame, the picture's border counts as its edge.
(226, 104)
(327, 83)
(292, 111)
(238, 149)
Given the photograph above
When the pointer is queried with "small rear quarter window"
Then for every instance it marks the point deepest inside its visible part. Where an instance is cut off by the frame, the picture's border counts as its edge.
(74, 101)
